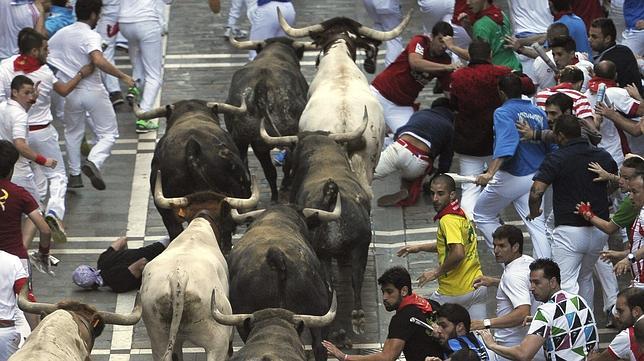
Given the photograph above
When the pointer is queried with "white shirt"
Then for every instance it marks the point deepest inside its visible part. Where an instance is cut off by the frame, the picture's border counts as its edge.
(39, 113)
(134, 11)
(530, 16)
(14, 18)
(618, 99)
(13, 125)
(621, 346)
(11, 270)
(514, 291)
(543, 77)
(69, 50)
(110, 11)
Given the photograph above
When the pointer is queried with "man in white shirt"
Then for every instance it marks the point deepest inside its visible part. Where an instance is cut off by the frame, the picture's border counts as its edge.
(13, 127)
(513, 297)
(386, 15)
(139, 22)
(530, 20)
(43, 137)
(71, 48)
(628, 309)
(12, 278)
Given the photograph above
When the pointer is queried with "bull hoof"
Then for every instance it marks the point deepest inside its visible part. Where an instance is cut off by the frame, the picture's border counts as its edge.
(358, 321)
(339, 339)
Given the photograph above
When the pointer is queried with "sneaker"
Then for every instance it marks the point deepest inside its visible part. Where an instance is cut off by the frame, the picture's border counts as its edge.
(237, 33)
(85, 147)
(133, 94)
(56, 227)
(116, 98)
(74, 181)
(122, 45)
(279, 158)
(144, 126)
(94, 175)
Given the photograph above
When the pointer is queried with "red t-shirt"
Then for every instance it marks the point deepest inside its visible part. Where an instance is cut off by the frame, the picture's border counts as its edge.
(460, 6)
(14, 202)
(399, 83)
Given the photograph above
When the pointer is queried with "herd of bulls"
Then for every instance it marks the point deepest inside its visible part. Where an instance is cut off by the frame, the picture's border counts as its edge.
(278, 278)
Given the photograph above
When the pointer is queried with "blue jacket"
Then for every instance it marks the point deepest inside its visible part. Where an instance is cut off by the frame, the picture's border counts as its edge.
(59, 18)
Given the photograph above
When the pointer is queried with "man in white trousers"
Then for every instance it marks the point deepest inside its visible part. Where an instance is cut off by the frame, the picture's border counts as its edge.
(140, 24)
(386, 15)
(576, 244)
(514, 163)
(108, 28)
(43, 137)
(71, 48)
(234, 13)
(264, 22)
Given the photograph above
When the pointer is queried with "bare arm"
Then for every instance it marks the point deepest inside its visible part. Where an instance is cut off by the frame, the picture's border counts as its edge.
(494, 166)
(65, 88)
(425, 247)
(454, 258)
(40, 23)
(462, 53)
(512, 319)
(45, 233)
(536, 196)
(100, 62)
(417, 63)
(390, 351)
(24, 150)
(621, 122)
(524, 351)
(603, 356)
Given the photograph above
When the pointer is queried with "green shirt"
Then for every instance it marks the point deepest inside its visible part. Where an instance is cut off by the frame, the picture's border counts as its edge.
(626, 214)
(494, 34)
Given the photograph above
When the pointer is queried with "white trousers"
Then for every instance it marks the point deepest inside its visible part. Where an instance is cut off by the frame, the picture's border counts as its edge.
(9, 340)
(385, 19)
(45, 142)
(97, 104)
(634, 39)
(474, 302)
(608, 281)
(109, 45)
(234, 12)
(26, 179)
(397, 158)
(616, 13)
(144, 41)
(508, 189)
(576, 250)
(395, 115)
(471, 165)
(264, 23)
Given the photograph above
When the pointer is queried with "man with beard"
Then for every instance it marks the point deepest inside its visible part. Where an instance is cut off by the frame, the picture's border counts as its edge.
(405, 335)
(456, 245)
(453, 331)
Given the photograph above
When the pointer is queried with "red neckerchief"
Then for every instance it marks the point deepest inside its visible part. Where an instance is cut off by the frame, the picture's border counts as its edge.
(575, 60)
(593, 83)
(561, 86)
(493, 12)
(26, 63)
(414, 299)
(453, 208)
(562, 13)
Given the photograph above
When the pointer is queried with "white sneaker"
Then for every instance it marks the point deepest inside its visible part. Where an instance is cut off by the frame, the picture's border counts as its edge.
(237, 33)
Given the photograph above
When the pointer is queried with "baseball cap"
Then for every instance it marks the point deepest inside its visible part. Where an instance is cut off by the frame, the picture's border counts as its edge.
(87, 277)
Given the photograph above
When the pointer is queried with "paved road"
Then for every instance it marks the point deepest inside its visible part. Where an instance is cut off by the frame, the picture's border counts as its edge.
(199, 64)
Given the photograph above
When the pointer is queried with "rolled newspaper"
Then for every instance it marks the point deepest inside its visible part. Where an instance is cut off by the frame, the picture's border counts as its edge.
(465, 178)
(544, 56)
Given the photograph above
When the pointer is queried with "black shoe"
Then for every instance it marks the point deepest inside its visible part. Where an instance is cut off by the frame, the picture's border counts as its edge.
(74, 181)
(116, 98)
(94, 175)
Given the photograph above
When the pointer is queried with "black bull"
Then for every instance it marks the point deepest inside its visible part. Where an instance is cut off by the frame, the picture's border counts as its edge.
(274, 266)
(275, 90)
(321, 173)
(196, 154)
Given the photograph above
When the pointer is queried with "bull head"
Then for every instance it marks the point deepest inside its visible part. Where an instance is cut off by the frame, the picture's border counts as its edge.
(338, 137)
(182, 202)
(322, 215)
(362, 30)
(167, 109)
(258, 45)
(108, 317)
(308, 320)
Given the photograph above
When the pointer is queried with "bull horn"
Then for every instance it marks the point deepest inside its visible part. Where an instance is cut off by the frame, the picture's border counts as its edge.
(228, 320)
(163, 202)
(245, 217)
(275, 141)
(151, 114)
(227, 108)
(385, 35)
(319, 321)
(356, 134)
(33, 307)
(307, 45)
(245, 202)
(297, 32)
(124, 319)
(325, 216)
(245, 45)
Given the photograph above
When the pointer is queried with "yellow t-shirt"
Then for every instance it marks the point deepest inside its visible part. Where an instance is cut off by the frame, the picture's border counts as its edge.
(454, 229)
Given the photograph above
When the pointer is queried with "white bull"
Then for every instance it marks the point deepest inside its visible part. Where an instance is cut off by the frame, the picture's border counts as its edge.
(177, 285)
(339, 93)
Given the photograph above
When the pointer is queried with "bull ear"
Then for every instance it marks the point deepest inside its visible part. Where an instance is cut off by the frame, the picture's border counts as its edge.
(299, 327)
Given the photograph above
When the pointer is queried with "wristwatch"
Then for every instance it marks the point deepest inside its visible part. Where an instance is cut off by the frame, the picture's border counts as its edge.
(487, 323)
(631, 257)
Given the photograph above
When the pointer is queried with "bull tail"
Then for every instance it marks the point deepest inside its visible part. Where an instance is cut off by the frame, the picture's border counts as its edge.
(178, 283)
(195, 164)
(277, 262)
